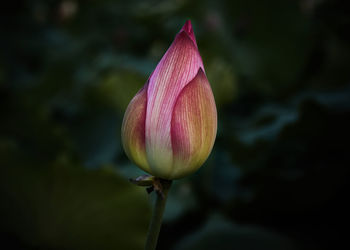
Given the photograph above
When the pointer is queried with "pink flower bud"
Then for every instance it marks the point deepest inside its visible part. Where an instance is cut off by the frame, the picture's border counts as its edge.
(169, 127)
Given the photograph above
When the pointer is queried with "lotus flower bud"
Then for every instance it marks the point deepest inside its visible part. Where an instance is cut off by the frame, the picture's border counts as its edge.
(169, 127)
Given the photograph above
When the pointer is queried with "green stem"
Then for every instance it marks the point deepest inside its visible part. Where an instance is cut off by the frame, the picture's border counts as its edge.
(156, 221)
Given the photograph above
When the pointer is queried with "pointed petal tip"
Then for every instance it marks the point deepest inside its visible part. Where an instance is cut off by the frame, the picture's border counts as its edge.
(201, 72)
(189, 30)
(188, 27)
(201, 75)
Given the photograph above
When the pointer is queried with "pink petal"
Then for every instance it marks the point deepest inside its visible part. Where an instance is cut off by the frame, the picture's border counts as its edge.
(133, 129)
(193, 127)
(176, 69)
(189, 30)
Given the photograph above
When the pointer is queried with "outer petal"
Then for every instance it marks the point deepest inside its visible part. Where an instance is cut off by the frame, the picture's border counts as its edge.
(133, 129)
(189, 30)
(193, 127)
(178, 66)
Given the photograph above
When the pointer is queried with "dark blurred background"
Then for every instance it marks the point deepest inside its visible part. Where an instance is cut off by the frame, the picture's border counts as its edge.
(277, 176)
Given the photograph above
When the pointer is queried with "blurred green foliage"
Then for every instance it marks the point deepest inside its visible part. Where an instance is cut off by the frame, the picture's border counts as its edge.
(63, 206)
(277, 177)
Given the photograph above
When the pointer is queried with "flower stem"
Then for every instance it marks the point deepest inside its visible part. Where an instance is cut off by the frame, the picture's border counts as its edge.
(157, 216)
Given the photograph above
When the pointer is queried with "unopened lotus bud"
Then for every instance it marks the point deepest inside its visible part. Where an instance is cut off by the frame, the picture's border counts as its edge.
(169, 127)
